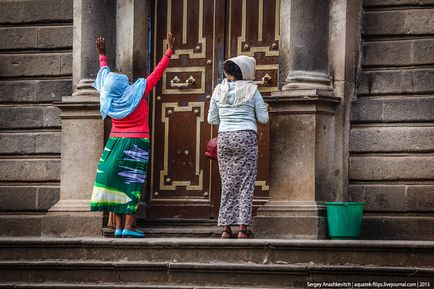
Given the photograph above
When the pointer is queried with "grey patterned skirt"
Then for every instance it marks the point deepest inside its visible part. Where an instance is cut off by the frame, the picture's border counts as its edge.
(237, 153)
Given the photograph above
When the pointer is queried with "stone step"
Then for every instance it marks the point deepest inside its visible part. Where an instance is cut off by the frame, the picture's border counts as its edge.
(178, 231)
(200, 274)
(114, 286)
(232, 251)
(14, 224)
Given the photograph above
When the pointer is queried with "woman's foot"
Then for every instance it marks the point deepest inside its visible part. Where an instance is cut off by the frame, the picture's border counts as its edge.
(243, 233)
(126, 233)
(227, 232)
(118, 233)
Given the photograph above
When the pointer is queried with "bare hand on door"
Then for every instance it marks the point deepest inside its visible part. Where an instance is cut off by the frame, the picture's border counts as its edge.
(170, 40)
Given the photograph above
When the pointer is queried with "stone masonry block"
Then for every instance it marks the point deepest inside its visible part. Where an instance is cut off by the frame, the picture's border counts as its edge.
(30, 143)
(47, 142)
(40, 64)
(30, 169)
(11, 117)
(47, 197)
(72, 224)
(382, 3)
(422, 81)
(47, 10)
(20, 225)
(398, 53)
(387, 82)
(379, 198)
(393, 109)
(393, 198)
(48, 37)
(397, 168)
(55, 37)
(380, 227)
(17, 143)
(423, 51)
(18, 38)
(396, 81)
(33, 11)
(16, 91)
(392, 139)
(34, 90)
(398, 22)
(11, 11)
(29, 117)
(53, 89)
(407, 228)
(66, 64)
(363, 110)
(420, 198)
(19, 198)
(386, 53)
(51, 117)
(411, 109)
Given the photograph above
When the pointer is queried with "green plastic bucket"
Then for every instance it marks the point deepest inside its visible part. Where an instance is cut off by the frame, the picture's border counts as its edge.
(344, 220)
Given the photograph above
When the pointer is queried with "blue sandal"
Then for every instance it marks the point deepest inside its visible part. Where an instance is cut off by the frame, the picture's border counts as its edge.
(118, 233)
(132, 234)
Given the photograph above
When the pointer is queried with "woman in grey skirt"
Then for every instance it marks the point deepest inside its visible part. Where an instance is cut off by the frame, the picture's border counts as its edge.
(235, 105)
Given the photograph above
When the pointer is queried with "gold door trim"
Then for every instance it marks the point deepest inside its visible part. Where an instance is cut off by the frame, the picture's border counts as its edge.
(263, 185)
(201, 39)
(261, 19)
(242, 38)
(201, 89)
(165, 120)
(184, 22)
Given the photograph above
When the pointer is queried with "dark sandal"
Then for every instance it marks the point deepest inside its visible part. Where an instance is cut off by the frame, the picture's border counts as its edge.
(246, 233)
(228, 232)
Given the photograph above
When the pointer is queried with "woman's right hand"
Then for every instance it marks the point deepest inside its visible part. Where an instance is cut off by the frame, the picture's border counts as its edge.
(100, 45)
(170, 40)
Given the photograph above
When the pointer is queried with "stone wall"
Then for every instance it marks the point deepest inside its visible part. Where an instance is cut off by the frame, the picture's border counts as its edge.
(392, 129)
(35, 70)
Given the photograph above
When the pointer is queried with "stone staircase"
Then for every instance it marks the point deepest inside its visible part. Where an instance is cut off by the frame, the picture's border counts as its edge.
(208, 263)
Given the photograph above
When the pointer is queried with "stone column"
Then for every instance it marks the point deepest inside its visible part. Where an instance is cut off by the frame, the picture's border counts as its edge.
(132, 37)
(304, 42)
(82, 126)
(302, 127)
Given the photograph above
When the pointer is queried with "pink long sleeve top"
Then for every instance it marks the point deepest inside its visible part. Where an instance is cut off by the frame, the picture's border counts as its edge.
(136, 125)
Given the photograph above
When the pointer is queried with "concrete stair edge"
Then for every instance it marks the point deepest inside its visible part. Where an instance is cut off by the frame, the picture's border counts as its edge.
(120, 286)
(273, 268)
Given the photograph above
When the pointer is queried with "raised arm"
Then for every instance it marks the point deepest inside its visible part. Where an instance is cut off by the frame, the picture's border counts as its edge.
(100, 45)
(155, 76)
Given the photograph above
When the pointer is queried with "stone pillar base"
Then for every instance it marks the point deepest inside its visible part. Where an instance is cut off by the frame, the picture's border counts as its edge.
(291, 220)
(72, 224)
(82, 143)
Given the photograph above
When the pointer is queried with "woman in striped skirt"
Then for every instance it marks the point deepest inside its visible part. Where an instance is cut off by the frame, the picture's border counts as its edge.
(235, 106)
(122, 168)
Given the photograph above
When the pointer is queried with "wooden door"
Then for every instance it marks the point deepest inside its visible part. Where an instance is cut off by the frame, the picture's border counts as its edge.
(184, 184)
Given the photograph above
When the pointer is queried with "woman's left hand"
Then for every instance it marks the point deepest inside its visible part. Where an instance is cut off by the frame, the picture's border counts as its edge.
(100, 45)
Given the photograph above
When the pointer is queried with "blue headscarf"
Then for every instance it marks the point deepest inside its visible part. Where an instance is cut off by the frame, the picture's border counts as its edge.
(117, 97)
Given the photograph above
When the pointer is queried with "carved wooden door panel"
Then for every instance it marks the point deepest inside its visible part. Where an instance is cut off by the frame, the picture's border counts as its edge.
(184, 184)
(180, 175)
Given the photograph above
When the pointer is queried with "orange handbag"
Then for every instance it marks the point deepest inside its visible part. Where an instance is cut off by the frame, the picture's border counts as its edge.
(211, 149)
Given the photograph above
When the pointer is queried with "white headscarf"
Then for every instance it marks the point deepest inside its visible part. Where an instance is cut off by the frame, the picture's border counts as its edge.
(244, 89)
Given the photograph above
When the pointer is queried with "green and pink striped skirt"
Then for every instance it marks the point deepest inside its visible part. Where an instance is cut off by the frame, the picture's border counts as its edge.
(121, 174)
